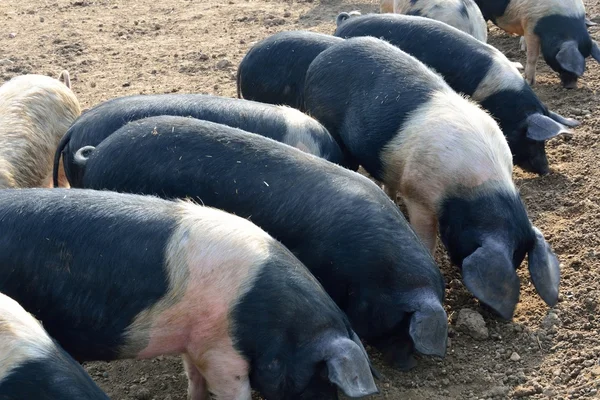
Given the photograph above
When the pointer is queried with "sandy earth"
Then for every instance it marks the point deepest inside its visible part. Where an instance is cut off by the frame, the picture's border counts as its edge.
(116, 48)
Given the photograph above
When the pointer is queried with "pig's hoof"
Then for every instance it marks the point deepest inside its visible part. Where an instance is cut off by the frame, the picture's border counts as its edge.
(570, 85)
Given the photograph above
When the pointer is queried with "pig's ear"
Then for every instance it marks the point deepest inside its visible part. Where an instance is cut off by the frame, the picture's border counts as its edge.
(544, 269)
(374, 371)
(570, 58)
(541, 128)
(349, 368)
(489, 274)
(570, 122)
(595, 51)
(429, 330)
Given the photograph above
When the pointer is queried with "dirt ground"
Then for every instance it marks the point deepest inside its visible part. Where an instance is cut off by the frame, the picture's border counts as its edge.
(116, 48)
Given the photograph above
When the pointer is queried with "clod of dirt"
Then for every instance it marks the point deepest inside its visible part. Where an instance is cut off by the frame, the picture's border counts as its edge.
(527, 391)
(550, 321)
(498, 391)
(274, 22)
(472, 323)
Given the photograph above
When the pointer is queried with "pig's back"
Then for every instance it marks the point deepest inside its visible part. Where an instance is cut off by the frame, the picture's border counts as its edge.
(312, 206)
(381, 87)
(461, 59)
(64, 250)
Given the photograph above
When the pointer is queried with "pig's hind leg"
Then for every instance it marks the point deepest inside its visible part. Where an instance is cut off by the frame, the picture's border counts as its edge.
(197, 389)
(219, 373)
(533, 53)
(424, 222)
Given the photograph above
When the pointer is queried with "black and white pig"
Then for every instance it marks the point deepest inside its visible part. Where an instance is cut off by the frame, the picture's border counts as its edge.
(33, 366)
(557, 28)
(284, 124)
(461, 14)
(124, 276)
(273, 70)
(337, 222)
(475, 69)
(446, 156)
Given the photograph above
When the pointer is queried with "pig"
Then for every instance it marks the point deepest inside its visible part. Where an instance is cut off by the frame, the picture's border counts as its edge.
(273, 69)
(477, 70)
(557, 28)
(337, 222)
(444, 154)
(281, 123)
(33, 366)
(35, 113)
(125, 276)
(461, 14)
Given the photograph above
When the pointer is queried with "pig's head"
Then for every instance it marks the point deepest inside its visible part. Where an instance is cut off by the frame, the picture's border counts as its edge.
(400, 312)
(527, 140)
(298, 343)
(487, 233)
(565, 52)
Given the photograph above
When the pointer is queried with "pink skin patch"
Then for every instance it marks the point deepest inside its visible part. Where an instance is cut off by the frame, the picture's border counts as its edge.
(193, 318)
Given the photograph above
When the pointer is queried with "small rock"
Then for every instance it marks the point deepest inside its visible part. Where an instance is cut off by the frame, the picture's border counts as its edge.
(126, 84)
(515, 357)
(42, 19)
(287, 14)
(472, 323)
(142, 394)
(445, 382)
(596, 370)
(12, 35)
(223, 64)
(551, 320)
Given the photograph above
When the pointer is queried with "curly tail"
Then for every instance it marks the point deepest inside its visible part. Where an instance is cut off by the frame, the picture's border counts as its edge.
(239, 82)
(59, 150)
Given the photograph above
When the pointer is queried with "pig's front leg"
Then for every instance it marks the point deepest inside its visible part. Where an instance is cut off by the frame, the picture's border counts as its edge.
(197, 389)
(533, 52)
(523, 43)
(424, 222)
(226, 374)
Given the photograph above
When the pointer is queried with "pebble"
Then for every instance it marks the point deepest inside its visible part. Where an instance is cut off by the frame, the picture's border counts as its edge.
(225, 63)
(472, 323)
(515, 357)
(142, 394)
(12, 35)
(550, 321)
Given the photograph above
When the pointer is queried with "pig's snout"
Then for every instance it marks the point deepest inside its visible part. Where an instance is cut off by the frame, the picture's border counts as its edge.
(537, 165)
(83, 154)
(568, 81)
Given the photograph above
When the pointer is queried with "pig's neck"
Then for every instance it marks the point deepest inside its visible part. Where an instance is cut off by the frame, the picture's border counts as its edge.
(468, 215)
